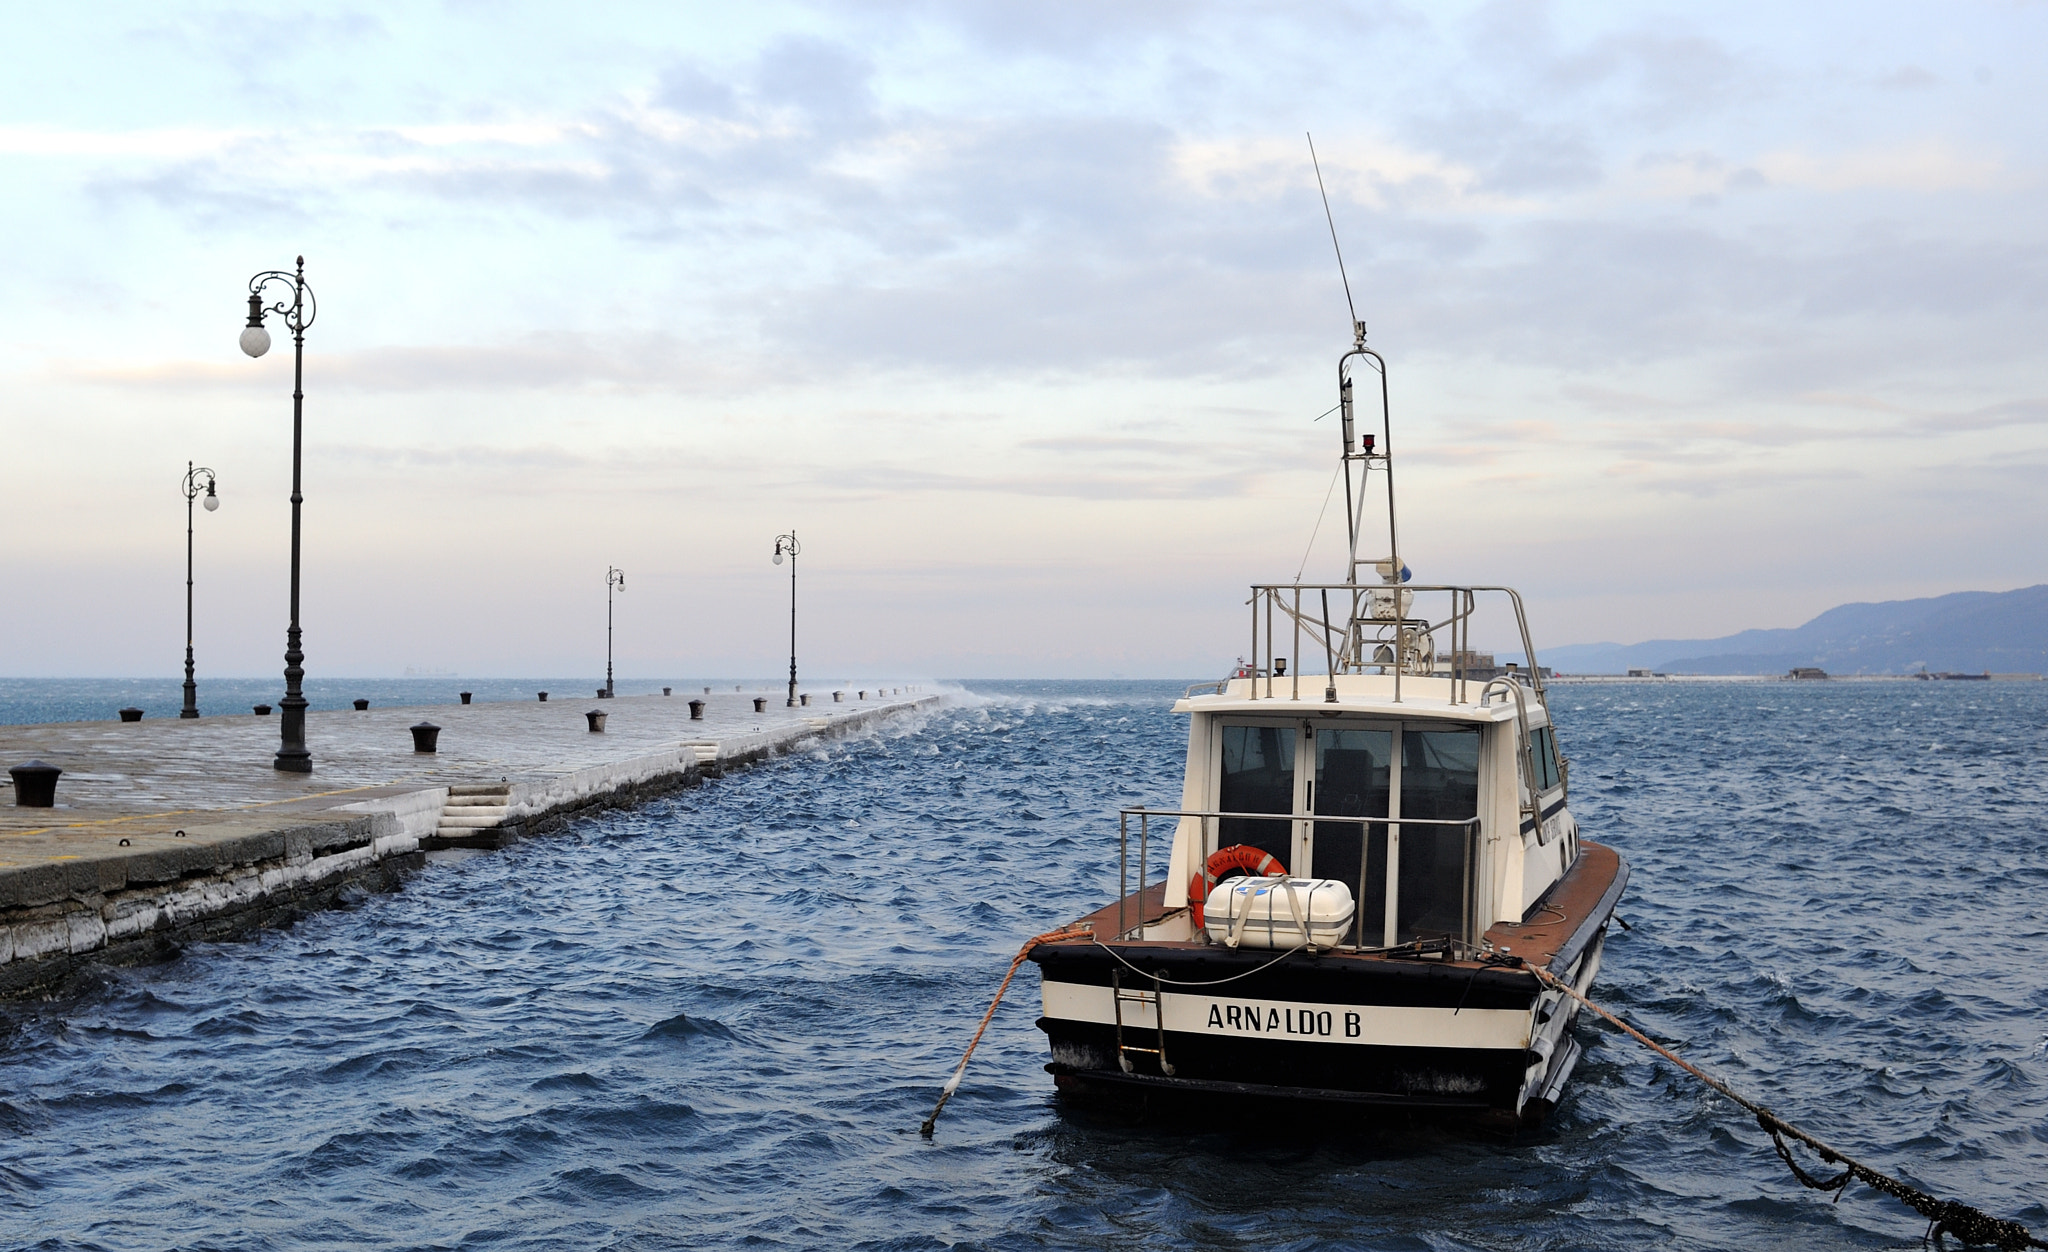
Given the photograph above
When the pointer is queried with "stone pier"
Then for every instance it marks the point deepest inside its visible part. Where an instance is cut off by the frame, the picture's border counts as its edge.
(170, 830)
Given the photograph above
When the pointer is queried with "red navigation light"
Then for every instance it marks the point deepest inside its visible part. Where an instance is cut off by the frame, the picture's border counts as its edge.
(1368, 444)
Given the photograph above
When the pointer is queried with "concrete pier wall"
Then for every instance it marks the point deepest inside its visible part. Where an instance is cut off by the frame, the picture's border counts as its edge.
(142, 905)
(133, 887)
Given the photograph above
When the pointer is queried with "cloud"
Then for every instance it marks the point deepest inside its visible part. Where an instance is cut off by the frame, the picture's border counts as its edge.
(1928, 165)
(625, 363)
(1907, 78)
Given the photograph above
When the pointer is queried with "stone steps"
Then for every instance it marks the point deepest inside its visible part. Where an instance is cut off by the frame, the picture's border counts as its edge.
(471, 811)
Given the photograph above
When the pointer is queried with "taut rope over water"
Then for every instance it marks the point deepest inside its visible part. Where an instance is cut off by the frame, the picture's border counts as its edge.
(953, 1083)
(1973, 1226)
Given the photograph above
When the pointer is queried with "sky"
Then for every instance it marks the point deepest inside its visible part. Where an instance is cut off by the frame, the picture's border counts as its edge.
(1021, 316)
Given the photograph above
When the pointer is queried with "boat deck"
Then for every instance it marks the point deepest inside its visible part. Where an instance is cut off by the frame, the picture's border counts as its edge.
(1553, 934)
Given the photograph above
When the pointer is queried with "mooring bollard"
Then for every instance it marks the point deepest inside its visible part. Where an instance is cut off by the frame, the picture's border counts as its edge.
(707, 691)
(131, 715)
(362, 705)
(839, 697)
(596, 717)
(664, 691)
(863, 695)
(760, 704)
(261, 710)
(696, 710)
(426, 737)
(465, 696)
(805, 699)
(35, 784)
(602, 694)
(543, 697)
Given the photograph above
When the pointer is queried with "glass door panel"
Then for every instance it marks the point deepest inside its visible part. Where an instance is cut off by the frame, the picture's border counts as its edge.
(1439, 779)
(1258, 777)
(1354, 778)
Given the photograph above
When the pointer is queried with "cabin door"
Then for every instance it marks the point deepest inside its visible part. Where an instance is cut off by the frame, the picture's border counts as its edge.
(1357, 774)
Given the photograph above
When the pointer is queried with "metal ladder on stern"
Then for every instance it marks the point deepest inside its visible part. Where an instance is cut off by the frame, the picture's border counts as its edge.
(1138, 997)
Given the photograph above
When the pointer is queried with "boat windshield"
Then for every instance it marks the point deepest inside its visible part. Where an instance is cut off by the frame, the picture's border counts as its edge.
(1424, 772)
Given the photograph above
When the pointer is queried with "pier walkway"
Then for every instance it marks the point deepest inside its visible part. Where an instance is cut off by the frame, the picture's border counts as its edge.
(167, 830)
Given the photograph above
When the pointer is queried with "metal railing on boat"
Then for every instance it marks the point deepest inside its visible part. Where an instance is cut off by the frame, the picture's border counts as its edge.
(1211, 835)
(1380, 616)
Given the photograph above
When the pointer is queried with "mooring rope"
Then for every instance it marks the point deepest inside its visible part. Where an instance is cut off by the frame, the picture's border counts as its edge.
(1944, 1217)
(953, 1083)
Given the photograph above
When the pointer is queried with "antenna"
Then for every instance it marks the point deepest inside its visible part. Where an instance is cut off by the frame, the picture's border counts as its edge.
(1357, 329)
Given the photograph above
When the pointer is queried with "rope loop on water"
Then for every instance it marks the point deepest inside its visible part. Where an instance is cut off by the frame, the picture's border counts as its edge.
(1973, 1226)
(953, 1083)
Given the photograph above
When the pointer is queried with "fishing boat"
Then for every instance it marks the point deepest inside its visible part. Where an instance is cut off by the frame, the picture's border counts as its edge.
(1364, 865)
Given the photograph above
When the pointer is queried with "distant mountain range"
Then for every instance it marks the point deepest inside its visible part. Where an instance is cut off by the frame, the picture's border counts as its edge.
(1967, 632)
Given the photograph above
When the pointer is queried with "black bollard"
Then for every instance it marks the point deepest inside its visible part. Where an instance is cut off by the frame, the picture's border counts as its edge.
(839, 697)
(426, 737)
(131, 715)
(596, 720)
(35, 784)
(543, 697)
(362, 705)
(664, 691)
(696, 710)
(760, 704)
(465, 696)
(805, 699)
(261, 710)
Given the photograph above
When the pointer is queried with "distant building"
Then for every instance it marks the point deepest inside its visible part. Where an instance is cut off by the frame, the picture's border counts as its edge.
(1807, 671)
(1481, 667)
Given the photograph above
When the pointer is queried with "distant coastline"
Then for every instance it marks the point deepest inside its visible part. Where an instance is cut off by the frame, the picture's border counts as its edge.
(1965, 632)
(1765, 678)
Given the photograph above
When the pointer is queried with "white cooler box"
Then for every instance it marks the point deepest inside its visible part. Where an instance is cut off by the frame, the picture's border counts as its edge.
(1273, 908)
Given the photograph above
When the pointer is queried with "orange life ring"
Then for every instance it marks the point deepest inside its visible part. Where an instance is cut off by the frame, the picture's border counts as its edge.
(1222, 861)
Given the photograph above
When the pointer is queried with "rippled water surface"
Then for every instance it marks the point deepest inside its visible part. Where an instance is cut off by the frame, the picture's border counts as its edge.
(717, 1021)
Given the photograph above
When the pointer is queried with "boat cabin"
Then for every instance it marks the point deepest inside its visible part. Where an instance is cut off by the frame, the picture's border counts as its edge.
(1417, 802)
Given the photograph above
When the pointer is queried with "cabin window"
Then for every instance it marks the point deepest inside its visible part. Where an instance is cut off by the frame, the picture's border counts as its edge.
(1544, 742)
(1258, 777)
(1439, 781)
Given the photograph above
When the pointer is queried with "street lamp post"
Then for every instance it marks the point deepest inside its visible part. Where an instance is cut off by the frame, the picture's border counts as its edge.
(197, 480)
(787, 544)
(298, 314)
(612, 578)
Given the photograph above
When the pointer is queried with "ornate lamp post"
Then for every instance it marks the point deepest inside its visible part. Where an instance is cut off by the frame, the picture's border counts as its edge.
(612, 578)
(196, 481)
(298, 314)
(787, 543)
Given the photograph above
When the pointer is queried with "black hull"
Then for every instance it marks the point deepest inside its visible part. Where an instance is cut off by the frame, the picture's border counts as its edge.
(1298, 1051)
(1437, 1078)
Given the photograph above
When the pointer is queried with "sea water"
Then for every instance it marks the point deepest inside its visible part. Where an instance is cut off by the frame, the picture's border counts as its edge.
(31, 701)
(717, 1021)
